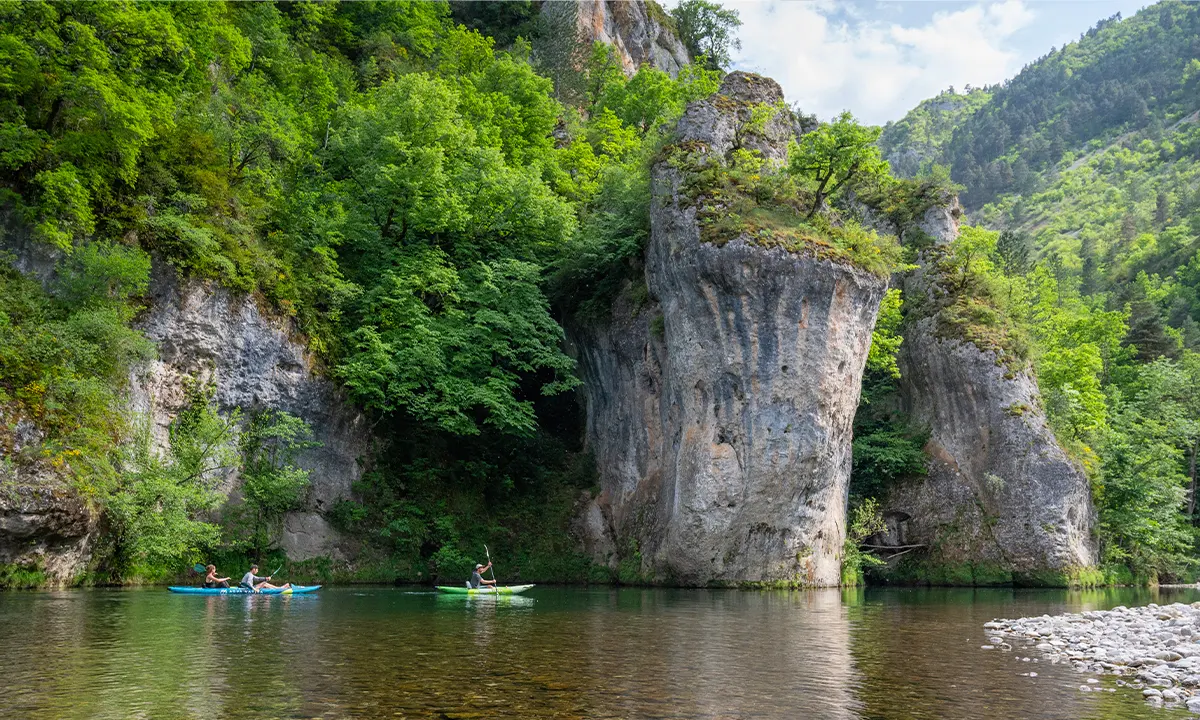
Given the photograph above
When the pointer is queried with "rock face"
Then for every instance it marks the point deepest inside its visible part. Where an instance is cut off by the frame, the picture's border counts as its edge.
(44, 525)
(1001, 493)
(634, 27)
(201, 331)
(204, 331)
(46, 528)
(720, 415)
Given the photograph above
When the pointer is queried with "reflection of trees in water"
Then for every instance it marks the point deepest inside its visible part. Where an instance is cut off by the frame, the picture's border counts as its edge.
(100, 655)
(374, 652)
(44, 651)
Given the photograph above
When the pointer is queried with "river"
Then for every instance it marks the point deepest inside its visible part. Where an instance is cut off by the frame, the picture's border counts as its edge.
(377, 652)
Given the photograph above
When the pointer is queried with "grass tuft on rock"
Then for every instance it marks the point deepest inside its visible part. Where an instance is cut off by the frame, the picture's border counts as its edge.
(745, 197)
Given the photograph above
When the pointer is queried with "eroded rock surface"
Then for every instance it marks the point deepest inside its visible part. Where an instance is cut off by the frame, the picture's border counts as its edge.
(204, 331)
(1001, 492)
(44, 524)
(632, 27)
(720, 413)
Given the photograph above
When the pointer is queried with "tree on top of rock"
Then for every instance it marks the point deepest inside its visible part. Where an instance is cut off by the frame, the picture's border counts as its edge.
(707, 30)
(834, 154)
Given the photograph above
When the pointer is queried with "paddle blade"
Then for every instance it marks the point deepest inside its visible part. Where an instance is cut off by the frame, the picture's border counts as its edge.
(198, 568)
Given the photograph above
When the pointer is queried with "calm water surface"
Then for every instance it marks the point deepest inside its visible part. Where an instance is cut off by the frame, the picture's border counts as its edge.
(555, 653)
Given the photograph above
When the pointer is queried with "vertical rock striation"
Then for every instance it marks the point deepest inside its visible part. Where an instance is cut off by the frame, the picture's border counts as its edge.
(1002, 500)
(205, 331)
(720, 414)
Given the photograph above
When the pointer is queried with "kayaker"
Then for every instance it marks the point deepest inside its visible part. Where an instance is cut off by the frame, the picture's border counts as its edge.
(250, 581)
(212, 581)
(477, 576)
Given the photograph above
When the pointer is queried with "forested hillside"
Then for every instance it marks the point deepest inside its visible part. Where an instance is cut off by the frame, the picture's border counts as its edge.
(1084, 170)
(384, 176)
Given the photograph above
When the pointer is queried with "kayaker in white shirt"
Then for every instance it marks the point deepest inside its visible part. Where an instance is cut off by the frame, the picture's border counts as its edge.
(250, 581)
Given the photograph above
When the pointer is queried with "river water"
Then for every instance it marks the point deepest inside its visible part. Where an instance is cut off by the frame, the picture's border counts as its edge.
(380, 652)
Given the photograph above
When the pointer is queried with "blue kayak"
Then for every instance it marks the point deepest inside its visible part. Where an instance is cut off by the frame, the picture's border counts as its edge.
(294, 590)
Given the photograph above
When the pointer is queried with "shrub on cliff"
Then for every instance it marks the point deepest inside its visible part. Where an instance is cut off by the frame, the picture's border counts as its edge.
(157, 507)
(272, 482)
(746, 196)
(64, 358)
(707, 31)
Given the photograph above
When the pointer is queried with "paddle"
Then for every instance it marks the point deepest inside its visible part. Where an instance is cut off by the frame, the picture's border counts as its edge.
(493, 567)
(199, 568)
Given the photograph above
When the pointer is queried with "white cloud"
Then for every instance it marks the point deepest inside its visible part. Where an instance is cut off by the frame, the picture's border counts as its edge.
(831, 57)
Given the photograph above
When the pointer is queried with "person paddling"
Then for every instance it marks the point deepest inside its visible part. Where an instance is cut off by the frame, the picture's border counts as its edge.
(477, 579)
(212, 581)
(251, 581)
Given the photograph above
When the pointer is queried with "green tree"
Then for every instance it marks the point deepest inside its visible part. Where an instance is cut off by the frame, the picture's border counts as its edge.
(708, 31)
(835, 154)
(1013, 247)
(272, 483)
(866, 519)
(158, 509)
(451, 348)
(1145, 485)
(886, 338)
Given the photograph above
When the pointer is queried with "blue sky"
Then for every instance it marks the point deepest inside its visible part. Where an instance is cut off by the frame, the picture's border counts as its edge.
(879, 59)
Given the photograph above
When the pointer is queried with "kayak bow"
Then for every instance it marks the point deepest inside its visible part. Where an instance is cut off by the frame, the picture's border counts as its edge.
(502, 590)
(294, 590)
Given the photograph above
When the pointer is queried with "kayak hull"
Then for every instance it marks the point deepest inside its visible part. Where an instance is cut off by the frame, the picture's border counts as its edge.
(294, 590)
(502, 590)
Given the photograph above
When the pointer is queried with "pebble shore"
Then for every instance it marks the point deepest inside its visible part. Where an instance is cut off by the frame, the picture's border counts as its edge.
(1154, 650)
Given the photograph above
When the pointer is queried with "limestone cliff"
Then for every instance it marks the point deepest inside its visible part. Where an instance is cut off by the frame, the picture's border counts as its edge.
(47, 530)
(201, 330)
(1002, 499)
(720, 413)
(45, 526)
(205, 331)
(638, 29)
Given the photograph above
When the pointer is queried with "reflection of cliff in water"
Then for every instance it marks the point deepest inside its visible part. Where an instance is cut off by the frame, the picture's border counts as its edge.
(372, 652)
(718, 654)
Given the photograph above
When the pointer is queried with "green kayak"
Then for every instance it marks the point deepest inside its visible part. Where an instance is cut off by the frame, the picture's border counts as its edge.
(502, 590)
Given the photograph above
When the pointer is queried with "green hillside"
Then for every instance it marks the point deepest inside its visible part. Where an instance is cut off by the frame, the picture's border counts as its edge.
(916, 142)
(1087, 165)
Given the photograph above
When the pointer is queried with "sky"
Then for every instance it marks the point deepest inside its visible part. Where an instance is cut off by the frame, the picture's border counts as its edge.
(879, 59)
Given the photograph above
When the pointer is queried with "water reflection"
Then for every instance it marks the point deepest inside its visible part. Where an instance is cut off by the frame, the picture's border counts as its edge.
(562, 653)
(919, 652)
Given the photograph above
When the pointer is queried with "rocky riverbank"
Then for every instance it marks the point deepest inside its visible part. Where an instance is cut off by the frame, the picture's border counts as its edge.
(1154, 649)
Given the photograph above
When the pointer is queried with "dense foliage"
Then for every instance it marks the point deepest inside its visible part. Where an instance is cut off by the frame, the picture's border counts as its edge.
(375, 170)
